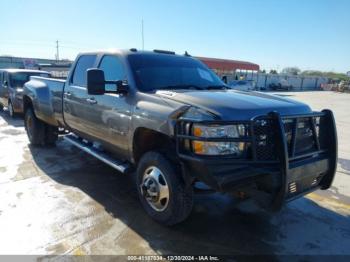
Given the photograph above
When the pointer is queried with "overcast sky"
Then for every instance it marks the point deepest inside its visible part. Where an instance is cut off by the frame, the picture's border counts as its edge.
(312, 34)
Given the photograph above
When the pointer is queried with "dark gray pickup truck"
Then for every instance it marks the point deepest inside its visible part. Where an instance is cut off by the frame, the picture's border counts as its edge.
(173, 124)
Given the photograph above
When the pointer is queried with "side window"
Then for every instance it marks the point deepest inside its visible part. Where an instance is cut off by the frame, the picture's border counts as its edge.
(113, 69)
(79, 76)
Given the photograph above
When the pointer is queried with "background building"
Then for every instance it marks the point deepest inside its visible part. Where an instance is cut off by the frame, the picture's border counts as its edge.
(230, 68)
(58, 69)
(242, 70)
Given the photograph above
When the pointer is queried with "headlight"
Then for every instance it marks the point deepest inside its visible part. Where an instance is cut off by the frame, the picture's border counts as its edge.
(230, 131)
(218, 131)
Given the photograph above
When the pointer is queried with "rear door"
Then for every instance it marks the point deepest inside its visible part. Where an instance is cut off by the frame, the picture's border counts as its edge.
(76, 109)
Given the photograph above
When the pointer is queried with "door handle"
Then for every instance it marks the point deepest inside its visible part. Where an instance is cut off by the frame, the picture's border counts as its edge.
(91, 101)
(68, 94)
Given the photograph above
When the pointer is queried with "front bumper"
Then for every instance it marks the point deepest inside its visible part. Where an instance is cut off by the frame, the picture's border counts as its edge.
(288, 175)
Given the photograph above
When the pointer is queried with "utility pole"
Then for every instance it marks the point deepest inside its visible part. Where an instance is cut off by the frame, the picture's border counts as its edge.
(57, 52)
(142, 35)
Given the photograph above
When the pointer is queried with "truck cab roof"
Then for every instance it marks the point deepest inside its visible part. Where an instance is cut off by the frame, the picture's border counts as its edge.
(125, 52)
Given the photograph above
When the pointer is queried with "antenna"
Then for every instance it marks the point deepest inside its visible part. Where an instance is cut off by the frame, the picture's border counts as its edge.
(142, 35)
(57, 52)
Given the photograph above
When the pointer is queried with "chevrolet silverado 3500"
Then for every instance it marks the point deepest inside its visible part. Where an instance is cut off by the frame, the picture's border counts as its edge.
(170, 122)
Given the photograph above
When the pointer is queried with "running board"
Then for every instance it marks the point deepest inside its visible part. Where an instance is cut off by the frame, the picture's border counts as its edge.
(104, 157)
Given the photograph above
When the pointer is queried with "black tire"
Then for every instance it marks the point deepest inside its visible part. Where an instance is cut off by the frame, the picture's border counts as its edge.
(180, 201)
(35, 128)
(51, 135)
(1, 107)
(39, 133)
(10, 109)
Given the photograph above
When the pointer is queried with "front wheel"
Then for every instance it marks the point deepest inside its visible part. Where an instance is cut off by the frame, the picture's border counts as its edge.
(162, 193)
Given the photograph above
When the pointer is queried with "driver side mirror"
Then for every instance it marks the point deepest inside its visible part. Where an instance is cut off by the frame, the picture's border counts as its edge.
(95, 81)
(5, 84)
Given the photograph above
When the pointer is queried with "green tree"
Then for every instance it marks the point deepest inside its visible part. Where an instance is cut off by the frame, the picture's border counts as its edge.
(291, 71)
(332, 75)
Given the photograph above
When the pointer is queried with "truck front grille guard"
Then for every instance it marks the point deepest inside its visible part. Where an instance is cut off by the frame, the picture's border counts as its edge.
(273, 140)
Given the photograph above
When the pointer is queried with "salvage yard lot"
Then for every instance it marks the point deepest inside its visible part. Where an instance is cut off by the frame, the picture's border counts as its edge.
(62, 201)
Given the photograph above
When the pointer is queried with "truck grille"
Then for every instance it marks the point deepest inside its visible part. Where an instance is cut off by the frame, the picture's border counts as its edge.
(305, 138)
(264, 140)
(302, 137)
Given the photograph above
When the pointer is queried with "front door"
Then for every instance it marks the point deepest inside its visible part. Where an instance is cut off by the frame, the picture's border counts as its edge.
(112, 115)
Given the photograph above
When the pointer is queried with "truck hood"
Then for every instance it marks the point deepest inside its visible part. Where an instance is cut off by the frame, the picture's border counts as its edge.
(236, 105)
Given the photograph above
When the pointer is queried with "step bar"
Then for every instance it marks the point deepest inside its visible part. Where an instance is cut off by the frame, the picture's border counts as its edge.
(92, 150)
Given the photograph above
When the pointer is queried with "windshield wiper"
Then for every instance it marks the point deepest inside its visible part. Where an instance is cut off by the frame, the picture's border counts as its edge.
(194, 86)
(182, 87)
(217, 87)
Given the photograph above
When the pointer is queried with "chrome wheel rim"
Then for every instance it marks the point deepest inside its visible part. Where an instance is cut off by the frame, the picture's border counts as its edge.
(154, 189)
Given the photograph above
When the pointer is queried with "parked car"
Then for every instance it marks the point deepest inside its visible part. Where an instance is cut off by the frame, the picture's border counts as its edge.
(243, 85)
(170, 122)
(281, 85)
(11, 88)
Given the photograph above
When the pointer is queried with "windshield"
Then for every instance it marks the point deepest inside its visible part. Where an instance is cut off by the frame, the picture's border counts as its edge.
(18, 79)
(156, 72)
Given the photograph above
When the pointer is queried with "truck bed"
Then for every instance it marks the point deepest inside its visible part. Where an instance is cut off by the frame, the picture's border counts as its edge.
(48, 98)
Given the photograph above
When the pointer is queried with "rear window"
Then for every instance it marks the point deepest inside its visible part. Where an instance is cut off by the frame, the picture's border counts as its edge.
(84, 63)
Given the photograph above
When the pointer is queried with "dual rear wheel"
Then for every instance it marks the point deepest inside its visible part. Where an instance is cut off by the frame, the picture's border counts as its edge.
(38, 132)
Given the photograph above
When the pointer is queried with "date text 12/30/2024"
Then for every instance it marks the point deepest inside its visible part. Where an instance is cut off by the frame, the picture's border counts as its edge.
(173, 258)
